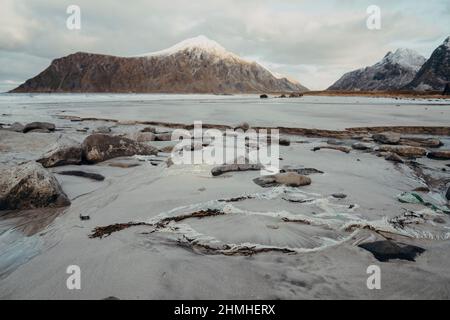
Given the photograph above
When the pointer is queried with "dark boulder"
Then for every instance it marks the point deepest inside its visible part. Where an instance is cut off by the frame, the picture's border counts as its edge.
(264, 96)
(83, 174)
(39, 126)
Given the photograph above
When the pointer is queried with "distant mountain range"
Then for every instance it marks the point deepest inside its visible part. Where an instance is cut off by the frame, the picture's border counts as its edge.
(197, 65)
(404, 69)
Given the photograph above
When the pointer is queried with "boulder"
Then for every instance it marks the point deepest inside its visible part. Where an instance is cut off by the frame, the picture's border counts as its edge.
(290, 179)
(300, 170)
(101, 147)
(387, 250)
(447, 195)
(439, 155)
(339, 195)
(64, 152)
(39, 125)
(387, 137)
(217, 171)
(29, 186)
(264, 96)
(296, 95)
(405, 151)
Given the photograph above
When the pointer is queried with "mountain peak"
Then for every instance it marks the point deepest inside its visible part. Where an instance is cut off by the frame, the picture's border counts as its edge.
(406, 58)
(200, 43)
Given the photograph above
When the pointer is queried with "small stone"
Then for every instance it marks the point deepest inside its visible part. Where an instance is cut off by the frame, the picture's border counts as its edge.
(339, 195)
(387, 137)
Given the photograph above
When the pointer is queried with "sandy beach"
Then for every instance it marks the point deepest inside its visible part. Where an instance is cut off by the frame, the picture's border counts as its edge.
(178, 232)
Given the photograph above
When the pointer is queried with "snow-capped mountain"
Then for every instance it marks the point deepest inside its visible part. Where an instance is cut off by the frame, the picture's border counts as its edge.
(197, 65)
(435, 73)
(393, 72)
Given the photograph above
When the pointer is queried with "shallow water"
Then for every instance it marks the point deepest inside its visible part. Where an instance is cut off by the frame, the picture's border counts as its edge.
(306, 112)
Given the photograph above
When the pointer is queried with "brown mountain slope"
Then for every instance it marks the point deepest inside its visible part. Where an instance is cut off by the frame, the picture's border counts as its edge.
(189, 67)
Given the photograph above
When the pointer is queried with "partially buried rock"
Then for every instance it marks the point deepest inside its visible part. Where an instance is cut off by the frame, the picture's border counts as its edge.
(439, 155)
(387, 250)
(16, 127)
(393, 157)
(83, 174)
(39, 125)
(64, 152)
(290, 179)
(300, 170)
(217, 171)
(284, 142)
(361, 146)
(405, 151)
(142, 136)
(101, 147)
(387, 137)
(29, 186)
(103, 129)
(149, 129)
(243, 126)
(339, 195)
(264, 96)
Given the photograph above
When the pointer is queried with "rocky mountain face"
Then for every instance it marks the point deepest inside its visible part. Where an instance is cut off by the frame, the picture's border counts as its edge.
(393, 72)
(435, 73)
(196, 65)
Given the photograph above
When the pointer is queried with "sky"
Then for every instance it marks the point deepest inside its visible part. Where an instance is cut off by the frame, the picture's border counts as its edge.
(312, 41)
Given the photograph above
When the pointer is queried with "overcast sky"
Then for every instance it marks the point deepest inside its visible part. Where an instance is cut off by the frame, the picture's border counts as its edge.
(313, 41)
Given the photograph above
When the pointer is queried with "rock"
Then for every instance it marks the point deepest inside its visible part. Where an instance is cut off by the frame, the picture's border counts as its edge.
(439, 220)
(29, 186)
(361, 146)
(39, 125)
(17, 127)
(447, 195)
(339, 195)
(290, 179)
(149, 129)
(339, 148)
(393, 157)
(64, 152)
(39, 131)
(422, 142)
(387, 137)
(102, 129)
(83, 174)
(101, 147)
(282, 96)
(301, 170)
(263, 96)
(217, 171)
(284, 142)
(243, 126)
(84, 217)
(421, 189)
(405, 151)
(167, 149)
(163, 137)
(387, 250)
(142, 136)
(296, 95)
(439, 155)
(335, 142)
(123, 165)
